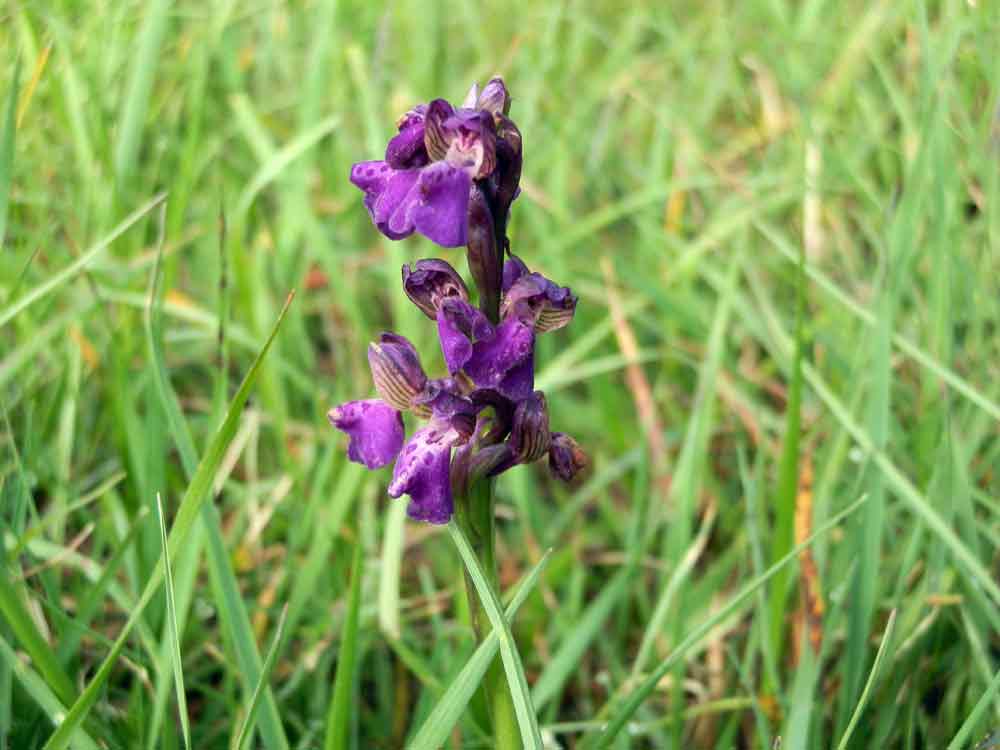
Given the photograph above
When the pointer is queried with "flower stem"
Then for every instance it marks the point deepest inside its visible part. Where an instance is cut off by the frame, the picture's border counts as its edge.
(474, 513)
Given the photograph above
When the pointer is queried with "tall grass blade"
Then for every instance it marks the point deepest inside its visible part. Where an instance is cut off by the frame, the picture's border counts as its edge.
(231, 608)
(448, 710)
(243, 738)
(518, 684)
(636, 697)
(197, 492)
(338, 722)
(175, 639)
(142, 74)
(8, 126)
(866, 692)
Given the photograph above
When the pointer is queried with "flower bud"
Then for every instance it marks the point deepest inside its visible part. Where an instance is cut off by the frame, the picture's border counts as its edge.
(505, 180)
(430, 282)
(566, 458)
(396, 370)
(483, 254)
(529, 436)
(494, 98)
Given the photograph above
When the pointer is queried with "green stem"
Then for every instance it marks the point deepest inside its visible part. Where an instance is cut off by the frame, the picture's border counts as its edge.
(474, 513)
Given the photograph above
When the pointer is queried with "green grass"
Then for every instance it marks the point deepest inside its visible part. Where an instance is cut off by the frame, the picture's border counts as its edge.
(169, 172)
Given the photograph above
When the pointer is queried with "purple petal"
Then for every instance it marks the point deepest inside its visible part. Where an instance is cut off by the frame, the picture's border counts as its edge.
(438, 205)
(422, 471)
(519, 381)
(375, 430)
(513, 269)
(385, 190)
(406, 150)
(460, 325)
(506, 361)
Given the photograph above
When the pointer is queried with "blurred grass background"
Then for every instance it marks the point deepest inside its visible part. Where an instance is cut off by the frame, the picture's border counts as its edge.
(782, 219)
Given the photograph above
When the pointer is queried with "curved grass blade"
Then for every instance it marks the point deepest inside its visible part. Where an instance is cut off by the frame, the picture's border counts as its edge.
(258, 692)
(40, 692)
(337, 718)
(175, 643)
(448, 710)
(961, 738)
(637, 696)
(42, 655)
(282, 158)
(590, 624)
(526, 719)
(825, 283)
(863, 700)
(58, 279)
(197, 492)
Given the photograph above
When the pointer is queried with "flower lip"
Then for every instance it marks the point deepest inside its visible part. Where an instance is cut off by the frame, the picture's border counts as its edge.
(423, 472)
(375, 430)
(432, 200)
(430, 282)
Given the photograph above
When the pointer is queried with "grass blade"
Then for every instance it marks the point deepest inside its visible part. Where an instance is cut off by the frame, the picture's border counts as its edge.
(282, 158)
(175, 640)
(589, 625)
(337, 717)
(259, 690)
(191, 504)
(516, 681)
(637, 696)
(7, 128)
(448, 710)
(788, 475)
(961, 738)
(40, 692)
(140, 84)
(863, 700)
(58, 279)
(42, 655)
(231, 609)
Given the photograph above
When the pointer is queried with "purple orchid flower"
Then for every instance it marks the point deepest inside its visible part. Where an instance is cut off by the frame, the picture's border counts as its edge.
(451, 174)
(487, 408)
(376, 434)
(430, 166)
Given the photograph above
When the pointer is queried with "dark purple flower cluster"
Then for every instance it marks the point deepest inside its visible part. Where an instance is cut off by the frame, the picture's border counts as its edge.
(451, 174)
(486, 406)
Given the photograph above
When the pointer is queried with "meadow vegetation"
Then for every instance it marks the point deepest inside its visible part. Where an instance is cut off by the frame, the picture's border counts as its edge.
(783, 222)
